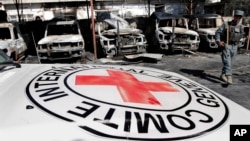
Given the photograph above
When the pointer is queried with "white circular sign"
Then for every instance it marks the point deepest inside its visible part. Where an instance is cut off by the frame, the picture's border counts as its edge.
(125, 102)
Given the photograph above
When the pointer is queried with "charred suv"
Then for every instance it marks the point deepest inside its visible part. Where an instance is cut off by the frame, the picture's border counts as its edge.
(117, 37)
(62, 40)
(205, 25)
(170, 32)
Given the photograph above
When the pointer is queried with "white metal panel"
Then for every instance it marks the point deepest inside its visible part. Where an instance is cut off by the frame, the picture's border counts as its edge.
(79, 102)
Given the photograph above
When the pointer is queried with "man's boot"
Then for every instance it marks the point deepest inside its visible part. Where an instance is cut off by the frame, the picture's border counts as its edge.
(229, 79)
(223, 77)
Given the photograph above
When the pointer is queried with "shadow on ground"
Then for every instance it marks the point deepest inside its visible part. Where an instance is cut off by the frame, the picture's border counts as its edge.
(202, 74)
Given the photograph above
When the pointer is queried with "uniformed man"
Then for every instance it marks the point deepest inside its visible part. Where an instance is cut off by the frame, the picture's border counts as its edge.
(227, 37)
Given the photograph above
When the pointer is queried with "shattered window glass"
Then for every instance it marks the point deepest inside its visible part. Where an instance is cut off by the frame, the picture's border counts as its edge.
(5, 33)
(164, 23)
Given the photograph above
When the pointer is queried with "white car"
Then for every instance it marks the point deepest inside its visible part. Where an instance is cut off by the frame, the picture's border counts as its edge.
(171, 32)
(206, 25)
(62, 41)
(91, 102)
(12, 41)
(117, 37)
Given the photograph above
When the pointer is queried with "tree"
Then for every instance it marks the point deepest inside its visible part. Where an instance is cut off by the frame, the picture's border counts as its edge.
(191, 6)
(231, 5)
(19, 6)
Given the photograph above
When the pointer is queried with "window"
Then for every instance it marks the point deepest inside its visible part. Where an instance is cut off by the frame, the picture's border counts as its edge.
(5, 33)
(62, 29)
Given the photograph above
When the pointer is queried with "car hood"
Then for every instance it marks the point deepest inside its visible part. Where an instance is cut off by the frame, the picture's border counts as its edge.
(210, 31)
(124, 31)
(113, 23)
(60, 39)
(178, 30)
(48, 102)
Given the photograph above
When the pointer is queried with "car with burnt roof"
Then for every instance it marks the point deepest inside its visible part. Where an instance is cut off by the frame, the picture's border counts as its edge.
(170, 32)
(118, 37)
(206, 25)
(63, 40)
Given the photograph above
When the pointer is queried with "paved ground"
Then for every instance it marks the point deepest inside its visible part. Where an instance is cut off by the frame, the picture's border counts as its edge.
(205, 68)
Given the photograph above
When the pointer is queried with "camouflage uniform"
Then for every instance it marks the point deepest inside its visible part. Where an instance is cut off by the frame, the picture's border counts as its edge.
(229, 51)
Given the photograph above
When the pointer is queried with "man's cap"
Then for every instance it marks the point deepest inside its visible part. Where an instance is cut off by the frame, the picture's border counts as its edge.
(238, 13)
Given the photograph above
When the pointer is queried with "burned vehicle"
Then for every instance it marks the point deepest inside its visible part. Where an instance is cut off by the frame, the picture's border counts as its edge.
(171, 32)
(11, 41)
(62, 40)
(205, 25)
(117, 37)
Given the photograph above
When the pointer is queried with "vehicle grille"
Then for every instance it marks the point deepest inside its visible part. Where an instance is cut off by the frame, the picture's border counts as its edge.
(128, 50)
(184, 37)
(128, 40)
(68, 44)
(60, 55)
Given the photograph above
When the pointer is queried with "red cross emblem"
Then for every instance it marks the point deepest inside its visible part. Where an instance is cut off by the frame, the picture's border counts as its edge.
(130, 88)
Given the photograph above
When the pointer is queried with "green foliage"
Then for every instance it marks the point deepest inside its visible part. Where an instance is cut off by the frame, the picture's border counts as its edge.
(231, 5)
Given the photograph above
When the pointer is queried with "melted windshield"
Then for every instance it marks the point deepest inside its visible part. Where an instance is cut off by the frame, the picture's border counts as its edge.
(62, 29)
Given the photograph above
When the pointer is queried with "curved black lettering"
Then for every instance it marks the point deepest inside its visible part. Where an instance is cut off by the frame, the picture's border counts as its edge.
(107, 119)
(173, 123)
(127, 124)
(144, 125)
(209, 103)
(209, 118)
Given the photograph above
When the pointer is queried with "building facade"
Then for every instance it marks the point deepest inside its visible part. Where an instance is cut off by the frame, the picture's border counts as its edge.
(226, 7)
(28, 10)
